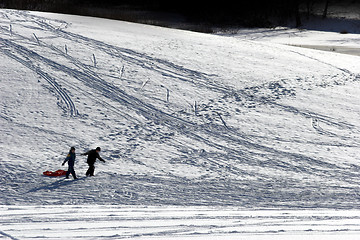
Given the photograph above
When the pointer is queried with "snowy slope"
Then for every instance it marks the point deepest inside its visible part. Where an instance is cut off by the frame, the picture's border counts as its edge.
(183, 118)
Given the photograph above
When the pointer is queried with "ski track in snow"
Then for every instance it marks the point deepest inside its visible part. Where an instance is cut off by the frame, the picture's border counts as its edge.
(237, 167)
(28, 58)
(121, 222)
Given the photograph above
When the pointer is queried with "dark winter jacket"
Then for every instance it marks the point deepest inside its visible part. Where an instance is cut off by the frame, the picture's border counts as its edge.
(70, 158)
(92, 156)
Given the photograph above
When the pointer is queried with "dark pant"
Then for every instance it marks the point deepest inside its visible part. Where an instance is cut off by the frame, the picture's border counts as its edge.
(72, 171)
(90, 171)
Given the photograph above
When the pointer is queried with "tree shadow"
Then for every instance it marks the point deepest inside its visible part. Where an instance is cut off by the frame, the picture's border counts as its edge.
(339, 25)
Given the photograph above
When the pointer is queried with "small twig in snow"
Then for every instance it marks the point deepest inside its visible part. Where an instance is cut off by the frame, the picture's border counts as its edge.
(222, 120)
(94, 60)
(167, 94)
(195, 107)
(144, 83)
(122, 71)
(37, 39)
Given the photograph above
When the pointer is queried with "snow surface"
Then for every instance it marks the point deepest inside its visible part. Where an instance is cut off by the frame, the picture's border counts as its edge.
(135, 222)
(184, 119)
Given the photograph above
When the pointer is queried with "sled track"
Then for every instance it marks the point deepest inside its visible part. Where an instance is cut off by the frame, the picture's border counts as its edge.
(28, 54)
(161, 66)
(58, 67)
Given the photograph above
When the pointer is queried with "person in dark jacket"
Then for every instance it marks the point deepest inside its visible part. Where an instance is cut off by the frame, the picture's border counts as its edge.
(92, 156)
(70, 159)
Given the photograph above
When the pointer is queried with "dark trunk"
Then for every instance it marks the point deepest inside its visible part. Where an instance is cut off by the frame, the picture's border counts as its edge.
(326, 9)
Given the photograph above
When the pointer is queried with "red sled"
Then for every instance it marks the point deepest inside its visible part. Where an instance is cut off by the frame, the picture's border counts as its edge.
(57, 173)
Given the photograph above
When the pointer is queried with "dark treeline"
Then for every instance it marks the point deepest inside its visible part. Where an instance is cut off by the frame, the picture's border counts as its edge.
(254, 13)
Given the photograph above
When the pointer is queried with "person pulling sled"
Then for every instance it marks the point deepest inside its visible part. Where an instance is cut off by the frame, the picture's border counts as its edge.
(92, 156)
(70, 159)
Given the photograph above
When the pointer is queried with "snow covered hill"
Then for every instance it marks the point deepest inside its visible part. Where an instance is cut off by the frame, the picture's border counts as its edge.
(183, 118)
